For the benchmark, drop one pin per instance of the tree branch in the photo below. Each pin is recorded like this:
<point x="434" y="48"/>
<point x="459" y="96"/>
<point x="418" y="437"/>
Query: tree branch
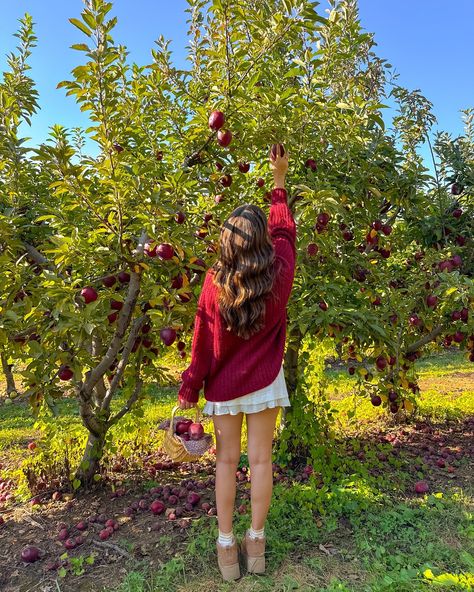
<point x="7" y="371"/>
<point x="425" y="339"/>
<point x="131" y="400"/>
<point x="136" y="326"/>
<point x="123" y="323"/>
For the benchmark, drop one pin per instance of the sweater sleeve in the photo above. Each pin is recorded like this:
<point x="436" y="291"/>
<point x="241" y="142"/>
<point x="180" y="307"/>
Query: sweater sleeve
<point x="201" y="350"/>
<point x="282" y="229"/>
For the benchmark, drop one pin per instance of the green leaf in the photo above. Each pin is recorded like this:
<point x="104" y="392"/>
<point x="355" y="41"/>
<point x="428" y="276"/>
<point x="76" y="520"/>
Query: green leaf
<point x="81" y="26"/>
<point x="76" y="483"/>
<point x="89" y="19"/>
<point x="80" y="47"/>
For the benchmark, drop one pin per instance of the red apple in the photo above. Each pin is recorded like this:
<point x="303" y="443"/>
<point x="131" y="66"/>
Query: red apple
<point x="109" y="281"/>
<point x="168" y="335"/>
<point x="323" y="218"/>
<point x="165" y="251"/>
<point x="226" y="180"/>
<point x="150" y="249"/>
<point x="65" y="373"/>
<point x="157" y="507"/>
<point x="312" y="249"/>
<point x="30" y="554"/>
<point x="431" y="300"/>
<point x="124" y="277"/>
<point x="116" y="304"/>
<point x="381" y="363"/>
<point x="277" y="150"/>
<point x="31" y="445"/>
<point x="311" y="164"/>
<point x="117" y="147"/>
<point x="376" y="400"/>
<point x="456" y="260"/>
<point x="112" y="317"/>
<point x="196" y="431"/>
<point x="70" y="544"/>
<point x="347" y="235"/>
<point x="456" y="189"/>
<point x="193" y="498"/>
<point x="180" y="217"/>
<point x="181" y="427"/>
<point x="159" y="155"/>
<point x="216" y="120"/>
<point x="323" y="305"/>
<point x="177" y="282"/>
<point x="89" y="294"/>
<point x="224" y="137"/>
<point x="244" y="167"/>
<point x="421" y="487"/>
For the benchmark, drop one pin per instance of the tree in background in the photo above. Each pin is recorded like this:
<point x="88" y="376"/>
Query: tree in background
<point x="118" y="243"/>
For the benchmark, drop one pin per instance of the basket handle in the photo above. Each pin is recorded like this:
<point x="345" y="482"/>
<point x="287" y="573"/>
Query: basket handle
<point x="173" y="413"/>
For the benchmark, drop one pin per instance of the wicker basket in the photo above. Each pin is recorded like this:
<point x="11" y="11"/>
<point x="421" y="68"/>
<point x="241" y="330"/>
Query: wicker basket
<point x="179" y="449"/>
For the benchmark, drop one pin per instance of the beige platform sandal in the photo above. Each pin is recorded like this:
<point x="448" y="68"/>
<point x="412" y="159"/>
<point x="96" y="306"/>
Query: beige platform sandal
<point x="228" y="561"/>
<point x="253" y="553"/>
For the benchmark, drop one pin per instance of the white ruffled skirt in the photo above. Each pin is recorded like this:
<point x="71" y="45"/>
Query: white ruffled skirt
<point x="273" y="395"/>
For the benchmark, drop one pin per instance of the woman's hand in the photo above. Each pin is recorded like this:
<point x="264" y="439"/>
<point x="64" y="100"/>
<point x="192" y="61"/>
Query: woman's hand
<point x="279" y="164"/>
<point x="186" y="404"/>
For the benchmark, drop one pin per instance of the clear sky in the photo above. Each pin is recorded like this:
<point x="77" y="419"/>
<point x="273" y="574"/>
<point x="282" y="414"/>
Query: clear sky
<point x="429" y="42"/>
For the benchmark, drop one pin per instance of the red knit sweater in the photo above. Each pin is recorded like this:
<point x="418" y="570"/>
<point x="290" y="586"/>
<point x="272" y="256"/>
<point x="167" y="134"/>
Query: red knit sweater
<point x="227" y="365"/>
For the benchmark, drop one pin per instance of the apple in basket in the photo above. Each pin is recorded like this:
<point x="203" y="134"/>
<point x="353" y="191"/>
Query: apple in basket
<point x="182" y="426"/>
<point x="196" y="431"/>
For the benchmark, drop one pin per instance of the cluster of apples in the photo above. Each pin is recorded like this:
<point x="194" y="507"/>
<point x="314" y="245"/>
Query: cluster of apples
<point x="189" y="430"/>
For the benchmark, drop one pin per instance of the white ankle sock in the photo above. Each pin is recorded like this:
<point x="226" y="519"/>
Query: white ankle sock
<point x="226" y="539"/>
<point x="256" y="534"/>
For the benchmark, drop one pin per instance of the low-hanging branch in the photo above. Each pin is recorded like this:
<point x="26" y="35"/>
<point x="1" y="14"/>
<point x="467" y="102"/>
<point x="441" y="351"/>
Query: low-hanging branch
<point x="122" y="325"/>
<point x="425" y="339"/>
<point x="131" y="400"/>
<point x="136" y="327"/>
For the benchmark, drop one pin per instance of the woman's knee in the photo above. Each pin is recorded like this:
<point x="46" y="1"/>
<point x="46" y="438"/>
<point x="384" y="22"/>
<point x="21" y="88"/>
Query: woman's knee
<point x="260" y="430"/>
<point x="259" y="457"/>
<point x="228" y="456"/>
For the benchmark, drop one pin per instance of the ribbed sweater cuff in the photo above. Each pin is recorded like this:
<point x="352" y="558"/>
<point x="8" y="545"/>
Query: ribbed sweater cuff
<point x="188" y="394"/>
<point x="279" y="195"/>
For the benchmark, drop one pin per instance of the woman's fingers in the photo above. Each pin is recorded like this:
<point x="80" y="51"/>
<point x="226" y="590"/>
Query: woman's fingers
<point x="278" y="152"/>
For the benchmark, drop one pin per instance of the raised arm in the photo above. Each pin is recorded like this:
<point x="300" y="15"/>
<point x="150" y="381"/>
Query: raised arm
<point x="281" y="224"/>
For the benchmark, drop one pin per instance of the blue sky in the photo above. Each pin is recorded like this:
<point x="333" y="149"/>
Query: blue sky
<point x="429" y="42"/>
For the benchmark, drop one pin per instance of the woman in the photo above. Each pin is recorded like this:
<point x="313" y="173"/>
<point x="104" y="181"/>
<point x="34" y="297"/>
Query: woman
<point x="237" y="353"/>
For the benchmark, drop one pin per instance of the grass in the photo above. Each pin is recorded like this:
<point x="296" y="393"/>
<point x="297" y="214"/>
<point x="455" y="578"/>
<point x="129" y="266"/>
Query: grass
<point x="362" y="532"/>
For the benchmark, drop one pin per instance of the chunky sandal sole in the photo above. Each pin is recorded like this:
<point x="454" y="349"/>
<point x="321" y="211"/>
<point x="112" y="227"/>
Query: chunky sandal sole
<point x="230" y="572"/>
<point x="255" y="564"/>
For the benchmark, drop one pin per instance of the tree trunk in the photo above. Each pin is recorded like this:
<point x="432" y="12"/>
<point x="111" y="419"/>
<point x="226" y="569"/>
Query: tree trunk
<point x="7" y="371"/>
<point x="90" y="463"/>
<point x="291" y="368"/>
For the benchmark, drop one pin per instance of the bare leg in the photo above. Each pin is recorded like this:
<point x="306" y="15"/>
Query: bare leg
<point x="228" y="429"/>
<point x="260" y="429"/>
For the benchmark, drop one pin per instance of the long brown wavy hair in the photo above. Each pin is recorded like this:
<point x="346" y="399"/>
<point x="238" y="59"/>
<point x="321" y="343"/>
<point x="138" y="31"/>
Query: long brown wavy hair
<point x="244" y="270"/>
